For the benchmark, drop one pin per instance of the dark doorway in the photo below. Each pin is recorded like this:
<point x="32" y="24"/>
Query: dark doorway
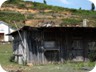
<point x="52" y="55"/>
<point x="76" y="52"/>
<point x="1" y="36"/>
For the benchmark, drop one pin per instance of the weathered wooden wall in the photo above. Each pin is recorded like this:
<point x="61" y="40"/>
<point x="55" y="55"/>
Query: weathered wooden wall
<point x="64" y="44"/>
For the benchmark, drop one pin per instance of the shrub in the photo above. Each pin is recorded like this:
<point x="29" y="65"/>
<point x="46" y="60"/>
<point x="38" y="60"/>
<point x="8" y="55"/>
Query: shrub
<point x="92" y="56"/>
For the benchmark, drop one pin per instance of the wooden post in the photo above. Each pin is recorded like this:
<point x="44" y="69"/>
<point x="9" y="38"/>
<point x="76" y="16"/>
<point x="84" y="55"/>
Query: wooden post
<point x="42" y="48"/>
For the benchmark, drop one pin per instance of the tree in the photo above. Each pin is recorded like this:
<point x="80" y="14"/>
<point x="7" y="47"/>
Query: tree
<point x="80" y="8"/>
<point x="44" y="1"/>
<point x="92" y="7"/>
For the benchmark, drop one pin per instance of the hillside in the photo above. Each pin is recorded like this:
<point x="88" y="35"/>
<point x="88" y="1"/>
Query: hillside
<point x="37" y="14"/>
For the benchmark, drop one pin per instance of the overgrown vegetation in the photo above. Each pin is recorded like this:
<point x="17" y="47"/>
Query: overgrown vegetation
<point x="68" y="16"/>
<point x="10" y="17"/>
<point x="71" y="21"/>
<point x="14" y="1"/>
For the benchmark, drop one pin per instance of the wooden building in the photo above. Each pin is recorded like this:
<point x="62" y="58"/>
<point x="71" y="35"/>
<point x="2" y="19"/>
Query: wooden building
<point x="44" y="45"/>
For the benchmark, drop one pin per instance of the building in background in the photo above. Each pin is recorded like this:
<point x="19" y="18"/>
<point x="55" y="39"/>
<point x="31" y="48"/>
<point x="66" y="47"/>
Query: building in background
<point x="5" y="29"/>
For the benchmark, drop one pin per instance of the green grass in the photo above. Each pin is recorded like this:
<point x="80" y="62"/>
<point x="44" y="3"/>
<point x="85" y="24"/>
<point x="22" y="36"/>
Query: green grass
<point x="11" y="17"/>
<point x="6" y="53"/>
